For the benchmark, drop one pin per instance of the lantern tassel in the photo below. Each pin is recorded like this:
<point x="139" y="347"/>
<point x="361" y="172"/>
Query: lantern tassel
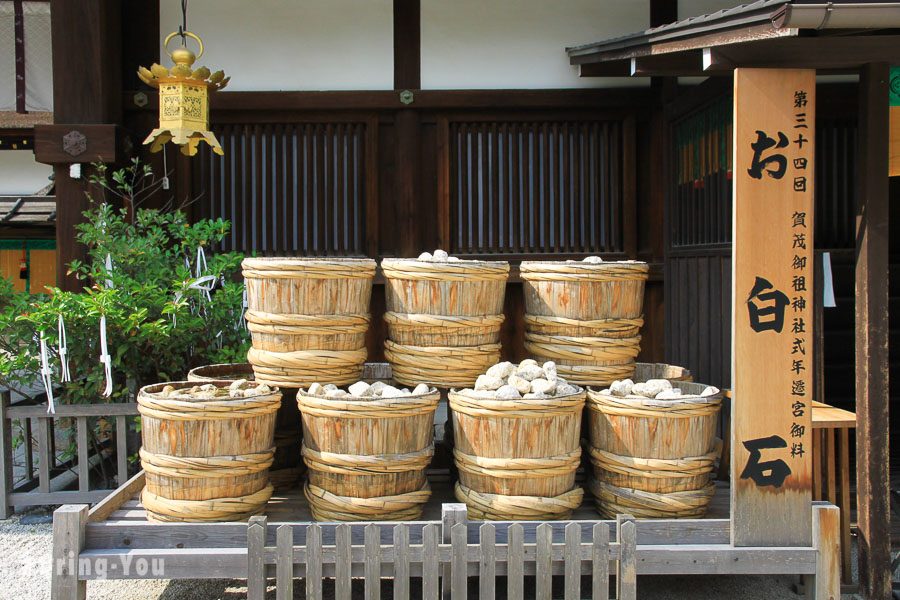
<point x="63" y="351"/>
<point x="105" y="358"/>
<point x="46" y="376"/>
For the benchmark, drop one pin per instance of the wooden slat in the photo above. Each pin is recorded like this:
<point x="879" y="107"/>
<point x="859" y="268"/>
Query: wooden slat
<point x="6" y="456"/>
<point x="373" y="563"/>
<point x="73" y="410"/>
<point x="543" y="558"/>
<point x="284" y="574"/>
<point x="256" y="568"/>
<point x="516" y="560"/>
<point x="43" y="440"/>
<point x="487" y="566"/>
<point x="342" y="581"/>
<point x="430" y="540"/>
<point x="459" y="567"/>
<point x="573" y="562"/>
<point x="314" y="562"/>
<point x="626" y="582"/>
<point x="600" y="562"/>
<point x="401" y="562"/>
<point x="827" y="538"/>
<point x="121" y="449"/>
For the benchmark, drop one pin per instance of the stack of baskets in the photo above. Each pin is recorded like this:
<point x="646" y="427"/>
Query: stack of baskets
<point x="206" y="460"/>
<point x="308" y="318"/>
<point x="517" y="458"/>
<point x="654" y="458"/>
<point x="287" y="468"/>
<point x="585" y="316"/>
<point x="443" y="319"/>
<point x="367" y="456"/>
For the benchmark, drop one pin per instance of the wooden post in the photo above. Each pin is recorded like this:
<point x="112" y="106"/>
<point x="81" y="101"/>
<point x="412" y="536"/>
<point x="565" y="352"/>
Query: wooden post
<point x="256" y="558"/>
<point x="626" y="577"/>
<point x="872" y="336"/>
<point x="68" y="540"/>
<point x="451" y="514"/>
<point x="6" y="457"/>
<point x="826" y="523"/>
<point x="407" y="126"/>
<point x="772" y="300"/>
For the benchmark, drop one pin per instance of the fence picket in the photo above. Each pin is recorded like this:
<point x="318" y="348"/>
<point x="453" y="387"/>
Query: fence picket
<point x="573" y="562"/>
<point x="373" y="562"/>
<point x="284" y="568"/>
<point x="81" y="445"/>
<point x="430" y="565"/>
<point x="600" y="562"/>
<point x="458" y="562"/>
<point x="401" y="562"/>
<point x="342" y="562"/>
<point x="314" y="562"/>
<point x="627" y="577"/>
<point x="543" y="589"/>
<point x="515" y="569"/>
<point x="256" y="568"/>
<point x="488" y="563"/>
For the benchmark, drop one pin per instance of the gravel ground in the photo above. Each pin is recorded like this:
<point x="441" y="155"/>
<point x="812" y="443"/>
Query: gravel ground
<point x="25" y="574"/>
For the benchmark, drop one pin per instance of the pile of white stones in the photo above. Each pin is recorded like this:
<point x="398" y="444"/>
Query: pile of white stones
<point x="240" y="388"/>
<point x="361" y="389"/>
<point x="588" y="259"/>
<point x="528" y="379"/>
<point x="437" y="256"/>
<point x="658" y="389"/>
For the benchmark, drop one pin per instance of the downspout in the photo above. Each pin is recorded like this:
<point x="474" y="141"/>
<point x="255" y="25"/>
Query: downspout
<point x="838" y="15"/>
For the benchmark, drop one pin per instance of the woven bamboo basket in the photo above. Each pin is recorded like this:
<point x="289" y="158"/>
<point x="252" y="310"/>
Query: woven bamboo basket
<point x="517" y="458"/>
<point x="586" y="360"/>
<point x="442" y="366"/>
<point x="646" y="371"/>
<point x="656" y="447"/>
<point x="206" y="460"/>
<point x="287" y="468"/>
<point x="367" y="457"/>
<point x="308" y="318"/>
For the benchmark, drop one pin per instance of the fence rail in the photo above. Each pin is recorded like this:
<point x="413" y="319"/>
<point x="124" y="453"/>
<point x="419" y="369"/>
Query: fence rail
<point x="41" y="467"/>
<point x="443" y="552"/>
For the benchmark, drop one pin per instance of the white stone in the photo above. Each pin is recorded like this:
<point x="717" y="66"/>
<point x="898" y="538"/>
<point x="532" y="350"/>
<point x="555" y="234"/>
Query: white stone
<point x="530" y="372"/>
<point x="452" y="259"/>
<point x="621" y="388"/>
<point x="389" y="391"/>
<point x="239" y="384"/>
<point x="592" y="259"/>
<point x="315" y="389"/>
<point x="527" y="362"/>
<point x="543" y="386"/>
<point x="208" y="387"/>
<point x="405" y="392"/>
<point x="567" y="390"/>
<point x="440" y="255"/>
<point x="261" y="389"/>
<point x="486" y="382"/>
<point x="329" y="387"/>
<point x="606" y="392"/>
<point x="336" y="394"/>
<point x="508" y="392"/>
<point x="668" y="395"/>
<point x="523" y="385"/>
<point x="646" y="389"/>
<point x="360" y="388"/>
<point x="549" y="369"/>
<point x="426" y="256"/>
<point x="709" y="391"/>
<point x="534" y="396"/>
<point x="501" y="370"/>
<point x="663" y="384"/>
<point x="377" y="387"/>
<point x="421" y="389"/>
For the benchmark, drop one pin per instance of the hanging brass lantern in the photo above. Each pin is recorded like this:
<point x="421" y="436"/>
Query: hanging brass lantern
<point x="183" y="99"/>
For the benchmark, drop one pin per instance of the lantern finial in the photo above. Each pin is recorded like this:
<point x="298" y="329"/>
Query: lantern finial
<point x="183" y="99"/>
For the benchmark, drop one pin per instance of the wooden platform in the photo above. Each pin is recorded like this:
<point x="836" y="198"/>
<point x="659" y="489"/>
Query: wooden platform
<point x="292" y="507"/>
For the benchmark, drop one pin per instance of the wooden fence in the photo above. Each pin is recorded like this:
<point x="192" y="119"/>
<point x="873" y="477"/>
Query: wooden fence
<point x="444" y="552"/>
<point x="42" y="467"/>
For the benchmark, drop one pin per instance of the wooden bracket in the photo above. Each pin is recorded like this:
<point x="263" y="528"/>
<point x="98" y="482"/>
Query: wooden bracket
<point x="67" y="144"/>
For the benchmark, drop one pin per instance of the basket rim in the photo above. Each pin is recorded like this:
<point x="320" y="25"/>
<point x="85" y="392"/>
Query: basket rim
<point x="220" y="383"/>
<point x="633" y="400"/>
<point x="367" y="400"/>
<point x="637" y="264"/>
<point x="306" y="260"/>
<point x="498" y="264"/>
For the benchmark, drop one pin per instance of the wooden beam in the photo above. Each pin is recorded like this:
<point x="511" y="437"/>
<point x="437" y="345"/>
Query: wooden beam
<point x="19" y="35"/>
<point x="680" y="63"/>
<point x="872" y="336"/>
<point x="407" y="45"/>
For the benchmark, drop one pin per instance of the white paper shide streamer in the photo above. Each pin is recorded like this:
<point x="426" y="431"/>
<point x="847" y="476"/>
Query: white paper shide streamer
<point x="64" y="375"/>
<point x="46" y="375"/>
<point x="105" y="358"/>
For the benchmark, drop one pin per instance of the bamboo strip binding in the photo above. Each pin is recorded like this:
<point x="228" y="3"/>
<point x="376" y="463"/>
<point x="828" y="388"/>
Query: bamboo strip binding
<point x="499" y="507"/>
<point x="326" y="506"/>
<point x="443" y="366"/>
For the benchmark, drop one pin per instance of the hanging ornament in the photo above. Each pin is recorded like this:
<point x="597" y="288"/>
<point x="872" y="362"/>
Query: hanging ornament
<point x="64" y="375"/>
<point x="108" y="268"/>
<point x="46" y="375"/>
<point x="183" y="96"/>
<point x="105" y="358"/>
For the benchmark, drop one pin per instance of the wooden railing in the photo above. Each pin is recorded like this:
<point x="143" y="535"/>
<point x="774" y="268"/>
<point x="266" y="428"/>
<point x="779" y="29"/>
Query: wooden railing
<point x="450" y="552"/>
<point x="42" y="468"/>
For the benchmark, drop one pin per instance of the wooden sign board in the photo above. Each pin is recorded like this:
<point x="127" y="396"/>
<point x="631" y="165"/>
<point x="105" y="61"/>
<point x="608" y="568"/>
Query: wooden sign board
<point x="772" y="311"/>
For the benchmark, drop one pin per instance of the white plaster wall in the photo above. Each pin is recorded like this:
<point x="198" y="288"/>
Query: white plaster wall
<point x="21" y="174"/>
<point x="291" y="45"/>
<point x="487" y="44"/>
